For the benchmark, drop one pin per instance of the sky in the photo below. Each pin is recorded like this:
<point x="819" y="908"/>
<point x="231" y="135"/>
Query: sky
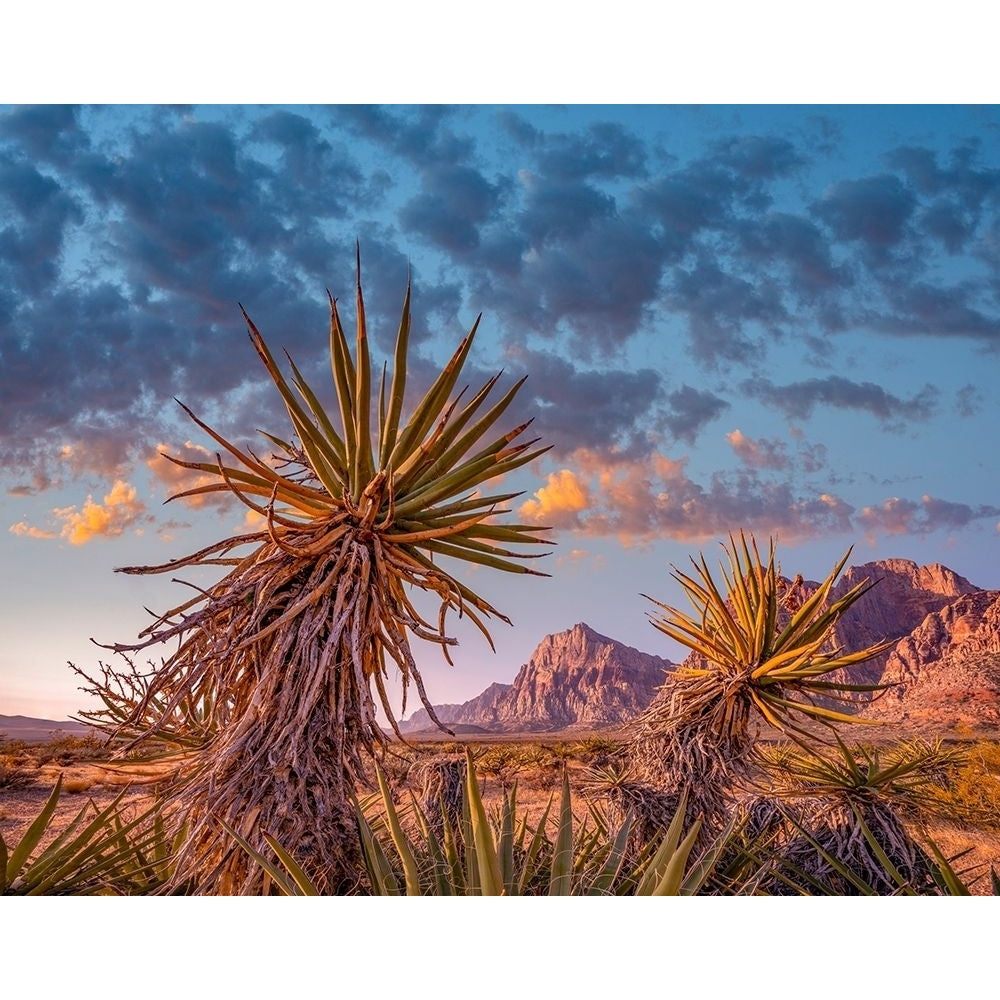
<point x="782" y="318"/>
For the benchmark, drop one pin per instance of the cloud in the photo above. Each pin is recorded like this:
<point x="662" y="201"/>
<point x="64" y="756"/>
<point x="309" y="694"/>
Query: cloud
<point x="454" y="202"/>
<point x="642" y="500"/>
<point x="559" y="502"/>
<point x="969" y="401"/>
<point x="29" y="531"/>
<point x="897" y="516"/>
<point x="920" y="309"/>
<point x="691" y="410"/>
<point x="723" y="310"/>
<point x="758" y="454"/>
<point x="575" y="406"/>
<point x="872" y="211"/>
<point x="176" y="479"/>
<point x="121" y="510"/>
<point x="797" y="400"/>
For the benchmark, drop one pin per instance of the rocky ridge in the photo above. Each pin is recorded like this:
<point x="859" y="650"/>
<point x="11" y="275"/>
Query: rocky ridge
<point x="574" y="678"/>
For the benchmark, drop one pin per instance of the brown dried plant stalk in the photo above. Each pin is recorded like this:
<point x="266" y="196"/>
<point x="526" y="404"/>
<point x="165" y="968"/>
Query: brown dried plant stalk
<point x="270" y="694"/>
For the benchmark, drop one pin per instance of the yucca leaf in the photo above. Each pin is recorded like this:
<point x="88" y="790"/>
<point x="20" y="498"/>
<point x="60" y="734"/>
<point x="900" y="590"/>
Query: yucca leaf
<point x="486" y="860"/>
<point x="398" y="837"/>
<point x="561" y="879"/>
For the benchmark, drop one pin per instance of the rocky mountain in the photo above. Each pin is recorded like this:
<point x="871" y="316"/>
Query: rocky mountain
<point x="903" y="596"/>
<point x="478" y="707"/>
<point x="947" y="670"/>
<point x="574" y="678"/>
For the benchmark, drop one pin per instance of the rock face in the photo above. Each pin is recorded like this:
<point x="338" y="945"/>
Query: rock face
<point x="574" y="678"/>
<point x="480" y="706"/>
<point x="947" y="670"/>
<point x="903" y="596"/>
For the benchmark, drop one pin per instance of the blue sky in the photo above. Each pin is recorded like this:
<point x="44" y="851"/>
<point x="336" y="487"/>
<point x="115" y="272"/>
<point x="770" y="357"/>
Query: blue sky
<point x="783" y="318"/>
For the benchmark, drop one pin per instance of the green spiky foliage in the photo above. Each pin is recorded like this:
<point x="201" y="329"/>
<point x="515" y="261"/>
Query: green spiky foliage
<point x="272" y="689"/>
<point x="503" y="854"/>
<point x="764" y="653"/>
<point x="99" y="852"/>
<point x="840" y="820"/>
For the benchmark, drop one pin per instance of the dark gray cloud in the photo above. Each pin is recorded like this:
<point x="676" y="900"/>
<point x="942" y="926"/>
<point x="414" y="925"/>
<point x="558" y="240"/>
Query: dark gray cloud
<point x="922" y="309"/>
<point x="603" y="149"/>
<point x="454" y="202"/>
<point x="797" y="400"/>
<point x="969" y="401"/>
<point x="725" y="311"/>
<point x="690" y="410"/>
<point x="872" y="211"/>
<point x="580" y="408"/>
<point x="127" y="237"/>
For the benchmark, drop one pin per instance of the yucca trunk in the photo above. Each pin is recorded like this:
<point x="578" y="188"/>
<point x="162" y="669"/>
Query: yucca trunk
<point x="849" y="845"/>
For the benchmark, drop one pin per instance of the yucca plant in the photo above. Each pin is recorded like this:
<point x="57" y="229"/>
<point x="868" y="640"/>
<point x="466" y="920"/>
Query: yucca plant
<point x="843" y="811"/>
<point x="280" y="663"/>
<point x="763" y="655"/>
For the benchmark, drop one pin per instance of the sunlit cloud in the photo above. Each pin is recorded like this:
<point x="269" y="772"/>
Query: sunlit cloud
<point x="559" y="502"/>
<point x="641" y="500"/>
<point x="176" y="479"/>
<point x="29" y="531"/>
<point x="897" y="516"/>
<point x="758" y="454"/>
<point x="120" y="511"/>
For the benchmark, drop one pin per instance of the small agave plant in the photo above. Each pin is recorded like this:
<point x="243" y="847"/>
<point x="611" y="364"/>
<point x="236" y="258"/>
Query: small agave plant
<point x="271" y="691"/>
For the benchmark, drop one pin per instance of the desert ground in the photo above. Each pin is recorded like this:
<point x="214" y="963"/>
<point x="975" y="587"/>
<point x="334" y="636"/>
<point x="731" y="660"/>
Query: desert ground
<point x="29" y="771"/>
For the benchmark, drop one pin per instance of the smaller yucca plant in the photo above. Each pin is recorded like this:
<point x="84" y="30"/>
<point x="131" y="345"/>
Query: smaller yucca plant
<point x="843" y="821"/>
<point x="764" y="654"/>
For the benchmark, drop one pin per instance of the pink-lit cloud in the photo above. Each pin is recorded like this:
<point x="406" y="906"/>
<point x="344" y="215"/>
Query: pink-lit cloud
<point x="559" y="502"/>
<point x="30" y="531"/>
<point x="899" y="516"/>
<point x="758" y="453"/>
<point x="641" y="500"/>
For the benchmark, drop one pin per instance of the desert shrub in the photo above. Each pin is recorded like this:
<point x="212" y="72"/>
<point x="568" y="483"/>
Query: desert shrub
<point x="972" y="795"/>
<point x="66" y="750"/>
<point x="14" y="775"/>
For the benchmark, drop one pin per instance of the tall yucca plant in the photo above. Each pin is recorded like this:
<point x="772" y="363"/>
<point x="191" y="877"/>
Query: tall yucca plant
<point x="281" y="661"/>
<point x="764" y="653"/>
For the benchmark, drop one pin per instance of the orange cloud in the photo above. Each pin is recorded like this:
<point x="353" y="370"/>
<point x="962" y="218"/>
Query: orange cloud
<point x="29" y="531"/>
<point x="639" y="500"/>
<point x="121" y="509"/>
<point x="559" y="502"/>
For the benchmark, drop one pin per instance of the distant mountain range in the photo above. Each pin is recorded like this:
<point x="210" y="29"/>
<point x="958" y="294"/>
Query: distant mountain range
<point x="576" y="678"/>
<point x="944" y="668"/>
<point x="21" y="727"/>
